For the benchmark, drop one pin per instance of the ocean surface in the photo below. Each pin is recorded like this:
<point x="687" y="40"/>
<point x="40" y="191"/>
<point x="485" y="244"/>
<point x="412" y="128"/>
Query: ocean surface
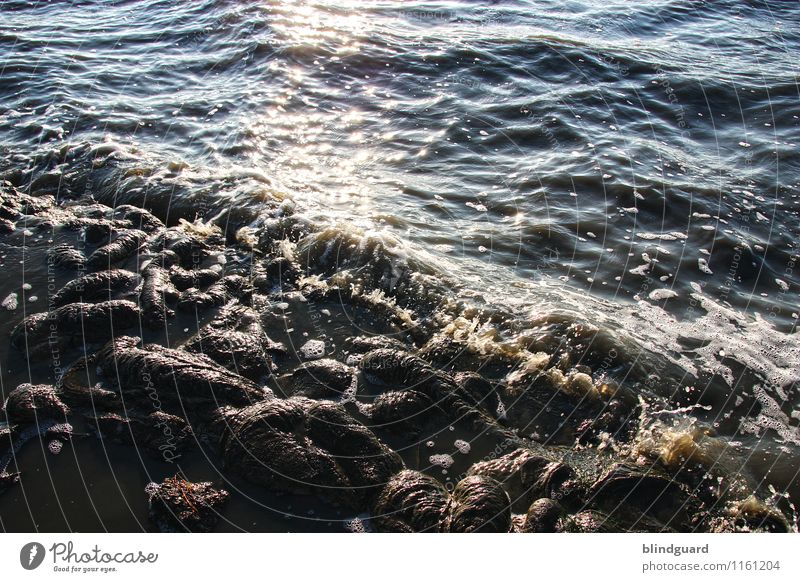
<point x="629" y="168"/>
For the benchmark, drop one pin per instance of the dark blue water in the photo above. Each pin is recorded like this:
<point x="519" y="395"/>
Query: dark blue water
<point x="632" y="167"/>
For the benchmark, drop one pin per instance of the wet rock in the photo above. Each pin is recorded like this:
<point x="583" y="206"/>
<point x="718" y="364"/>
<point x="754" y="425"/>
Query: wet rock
<point x="31" y="403"/>
<point x="301" y="446"/>
<point x="591" y="521"/>
<point x="157" y="290"/>
<point x="632" y="491"/>
<point x="161" y="434"/>
<point x="414" y="375"/>
<point x="66" y="257"/>
<point x="177" y="505"/>
<point x="363" y="344"/>
<point x="324" y="378"/>
<point x="75" y="388"/>
<point x="550" y="406"/>
<point x="266" y="444"/>
<point x="175" y="376"/>
<point x="184" y="279"/>
<point x="74" y="325"/>
<point x="403" y="411"/>
<point x="236" y="340"/>
<point x="544" y="516"/>
<point x="753" y="514"/>
<point x="367" y="462"/>
<point x="479" y="392"/>
<point x="194" y="298"/>
<point x="139" y="218"/>
<point x="280" y="271"/>
<point x="124" y="245"/>
<point x="395" y="367"/>
<point x="527" y="477"/>
<point x="446" y="353"/>
<point x="410" y="502"/>
<point x="224" y="290"/>
<point x="478" y="504"/>
<point x="95" y="286"/>
<point x="191" y="248"/>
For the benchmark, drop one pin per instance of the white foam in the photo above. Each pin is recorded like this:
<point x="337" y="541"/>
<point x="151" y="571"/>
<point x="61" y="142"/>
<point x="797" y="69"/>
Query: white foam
<point x="312" y="350"/>
<point x="462" y="447"/>
<point x="702" y="264"/>
<point x="660" y="294"/>
<point x="10" y="302"/>
<point x="444" y="461"/>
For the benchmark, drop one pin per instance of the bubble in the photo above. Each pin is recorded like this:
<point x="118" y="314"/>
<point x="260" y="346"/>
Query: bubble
<point x="659" y="294"/>
<point x="312" y="350"/>
<point x="702" y="264"/>
<point x="355" y="525"/>
<point x="10" y="302"/>
<point x="462" y="446"/>
<point x="444" y="461"/>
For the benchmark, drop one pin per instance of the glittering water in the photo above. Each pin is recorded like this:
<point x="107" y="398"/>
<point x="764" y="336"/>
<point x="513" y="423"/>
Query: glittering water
<point x="632" y="166"/>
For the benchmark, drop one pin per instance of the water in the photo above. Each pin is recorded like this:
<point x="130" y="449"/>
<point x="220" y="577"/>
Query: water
<point x="629" y="167"/>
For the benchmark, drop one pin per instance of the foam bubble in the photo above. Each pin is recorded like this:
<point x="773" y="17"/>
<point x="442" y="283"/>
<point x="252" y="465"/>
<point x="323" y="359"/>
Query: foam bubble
<point x="702" y="264"/>
<point x="444" y="461"/>
<point x="355" y="525"/>
<point x="312" y="350"/>
<point x="462" y="447"/>
<point x="660" y="294"/>
<point x="10" y="302"/>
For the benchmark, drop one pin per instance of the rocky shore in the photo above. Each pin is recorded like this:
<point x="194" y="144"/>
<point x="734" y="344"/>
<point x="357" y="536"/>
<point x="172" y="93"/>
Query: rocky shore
<point x="548" y="444"/>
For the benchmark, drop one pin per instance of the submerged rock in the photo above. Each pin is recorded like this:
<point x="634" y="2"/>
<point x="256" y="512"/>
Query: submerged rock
<point x="31" y="403"/>
<point x="410" y="502"/>
<point x="161" y="434"/>
<point x="301" y="446"/>
<point x="74" y="325"/>
<point x="319" y="379"/>
<point x="478" y="504"/>
<point x="236" y="340"/>
<point x="544" y="516"/>
<point x="124" y="245"/>
<point x="95" y="286"/>
<point x="177" y="505"/>
<point x="632" y="492"/>
<point x="175" y="376"/>
<point x="527" y="477"/>
<point x="157" y="291"/>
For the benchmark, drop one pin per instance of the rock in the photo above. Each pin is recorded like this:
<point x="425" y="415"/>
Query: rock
<point x="74" y="325"/>
<point x="410" y="502"/>
<point x="478" y="504"/>
<point x="175" y="376"/>
<point x="31" y="403"/>
<point x="177" y="505"/>
<point x="94" y="286"/>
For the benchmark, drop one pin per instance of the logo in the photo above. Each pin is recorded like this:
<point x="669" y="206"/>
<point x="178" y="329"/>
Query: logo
<point x="31" y="555"/>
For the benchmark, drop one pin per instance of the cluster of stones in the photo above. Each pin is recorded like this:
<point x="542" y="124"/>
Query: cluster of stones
<point x="305" y="427"/>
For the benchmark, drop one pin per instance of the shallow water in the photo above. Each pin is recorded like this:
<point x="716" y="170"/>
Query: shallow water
<point x="631" y="167"/>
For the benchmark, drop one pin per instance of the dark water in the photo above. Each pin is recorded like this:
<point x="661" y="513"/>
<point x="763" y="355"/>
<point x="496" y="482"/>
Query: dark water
<point x="629" y="166"/>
